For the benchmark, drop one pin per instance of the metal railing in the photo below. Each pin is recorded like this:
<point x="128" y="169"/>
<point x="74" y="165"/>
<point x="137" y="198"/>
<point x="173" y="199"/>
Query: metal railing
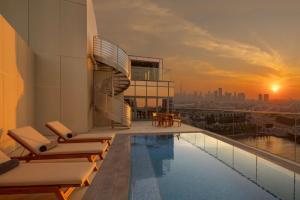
<point x="112" y="55"/>
<point x="116" y="109"/>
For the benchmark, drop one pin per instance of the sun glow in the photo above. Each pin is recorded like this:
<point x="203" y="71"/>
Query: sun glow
<point x="275" y="88"/>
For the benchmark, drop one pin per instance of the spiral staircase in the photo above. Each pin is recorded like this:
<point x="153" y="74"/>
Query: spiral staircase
<point x="108" y="92"/>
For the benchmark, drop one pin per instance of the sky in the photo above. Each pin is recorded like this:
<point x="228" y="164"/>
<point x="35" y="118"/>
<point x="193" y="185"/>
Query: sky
<point x="239" y="45"/>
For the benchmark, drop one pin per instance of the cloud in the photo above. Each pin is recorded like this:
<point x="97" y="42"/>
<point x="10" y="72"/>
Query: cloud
<point x="163" y="22"/>
<point x="194" y="52"/>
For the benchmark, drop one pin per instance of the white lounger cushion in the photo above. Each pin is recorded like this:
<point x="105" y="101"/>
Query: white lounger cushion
<point x="30" y="137"/>
<point x="75" y="148"/>
<point x="35" y="174"/>
<point x="92" y="136"/>
<point x="62" y="130"/>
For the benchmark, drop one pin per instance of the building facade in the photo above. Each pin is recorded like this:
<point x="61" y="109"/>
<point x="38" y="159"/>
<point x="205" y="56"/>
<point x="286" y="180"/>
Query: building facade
<point x="148" y="92"/>
<point x="52" y="66"/>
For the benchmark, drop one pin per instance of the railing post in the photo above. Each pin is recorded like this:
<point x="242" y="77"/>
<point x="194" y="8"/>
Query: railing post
<point x="295" y="137"/>
<point x="117" y="56"/>
<point x="233" y="125"/>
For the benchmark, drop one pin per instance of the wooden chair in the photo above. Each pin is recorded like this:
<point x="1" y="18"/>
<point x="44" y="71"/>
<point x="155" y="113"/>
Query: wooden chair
<point x="177" y="119"/>
<point x="154" y="118"/>
<point x="32" y="140"/>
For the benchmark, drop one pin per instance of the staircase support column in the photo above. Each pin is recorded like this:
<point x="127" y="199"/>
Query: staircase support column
<point x="112" y="93"/>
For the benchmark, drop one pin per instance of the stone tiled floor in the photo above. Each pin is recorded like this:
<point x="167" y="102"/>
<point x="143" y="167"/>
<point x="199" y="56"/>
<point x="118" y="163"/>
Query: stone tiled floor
<point x="145" y="127"/>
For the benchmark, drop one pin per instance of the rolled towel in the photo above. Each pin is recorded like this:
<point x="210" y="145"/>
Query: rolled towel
<point x="48" y="146"/>
<point x="70" y="135"/>
<point x="8" y="165"/>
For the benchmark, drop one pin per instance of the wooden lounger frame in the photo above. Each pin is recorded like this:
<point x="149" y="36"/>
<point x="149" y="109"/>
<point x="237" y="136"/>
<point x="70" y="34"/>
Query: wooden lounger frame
<point x="62" y="191"/>
<point x="61" y="139"/>
<point x="33" y="156"/>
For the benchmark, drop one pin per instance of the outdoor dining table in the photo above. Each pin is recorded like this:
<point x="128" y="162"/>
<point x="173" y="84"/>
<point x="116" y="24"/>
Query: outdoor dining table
<point x="165" y="119"/>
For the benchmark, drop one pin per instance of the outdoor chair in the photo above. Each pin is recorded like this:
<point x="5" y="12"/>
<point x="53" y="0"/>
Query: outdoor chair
<point x="177" y="119"/>
<point x="154" y="118"/>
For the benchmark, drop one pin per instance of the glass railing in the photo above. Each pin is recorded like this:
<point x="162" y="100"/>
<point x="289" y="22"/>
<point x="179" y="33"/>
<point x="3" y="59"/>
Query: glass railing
<point x="273" y="132"/>
<point x="150" y="89"/>
<point x="277" y="180"/>
<point x="145" y="73"/>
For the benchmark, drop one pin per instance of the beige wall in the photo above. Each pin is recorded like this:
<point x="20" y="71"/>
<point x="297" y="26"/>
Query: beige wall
<point x="100" y="117"/>
<point x="91" y="32"/>
<point x="58" y="31"/>
<point x="16" y="83"/>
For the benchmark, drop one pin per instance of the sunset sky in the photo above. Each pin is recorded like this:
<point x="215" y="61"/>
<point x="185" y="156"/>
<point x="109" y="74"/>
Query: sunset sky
<point x="239" y="45"/>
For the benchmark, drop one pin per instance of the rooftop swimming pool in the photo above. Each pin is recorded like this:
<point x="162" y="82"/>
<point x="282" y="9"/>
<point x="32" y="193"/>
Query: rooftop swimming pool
<point x="197" y="166"/>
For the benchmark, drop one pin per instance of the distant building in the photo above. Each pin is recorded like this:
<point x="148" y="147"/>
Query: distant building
<point x="195" y="94"/>
<point x="148" y="91"/>
<point x="260" y="97"/>
<point x="227" y="96"/>
<point x="266" y="97"/>
<point x="220" y="92"/>
<point x="241" y="96"/>
<point x="216" y="94"/>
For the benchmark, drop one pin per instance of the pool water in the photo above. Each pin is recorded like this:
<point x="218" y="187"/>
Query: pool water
<point x="197" y="166"/>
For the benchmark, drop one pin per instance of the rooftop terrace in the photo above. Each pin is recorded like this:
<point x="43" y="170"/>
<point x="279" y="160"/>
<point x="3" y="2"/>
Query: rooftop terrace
<point x="115" y="171"/>
<point x="112" y="181"/>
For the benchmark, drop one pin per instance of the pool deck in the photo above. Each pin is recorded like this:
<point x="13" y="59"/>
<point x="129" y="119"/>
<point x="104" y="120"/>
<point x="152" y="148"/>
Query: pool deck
<point x="112" y="181"/>
<point x="146" y="127"/>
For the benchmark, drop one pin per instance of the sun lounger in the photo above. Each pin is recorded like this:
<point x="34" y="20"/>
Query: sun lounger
<point x="59" y="178"/>
<point x="33" y="141"/>
<point x="65" y="135"/>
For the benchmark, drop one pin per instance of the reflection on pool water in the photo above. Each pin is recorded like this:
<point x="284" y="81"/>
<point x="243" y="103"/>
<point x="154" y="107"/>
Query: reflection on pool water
<point x="197" y="166"/>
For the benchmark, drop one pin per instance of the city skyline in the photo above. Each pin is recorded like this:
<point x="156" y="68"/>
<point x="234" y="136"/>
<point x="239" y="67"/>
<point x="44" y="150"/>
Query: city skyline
<point x="246" y="46"/>
<point x="224" y="94"/>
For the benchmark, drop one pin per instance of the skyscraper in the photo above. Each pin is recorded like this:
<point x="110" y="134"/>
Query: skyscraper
<point x="220" y="93"/>
<point x="266" y="97"/>
<point x="260" y="97"/>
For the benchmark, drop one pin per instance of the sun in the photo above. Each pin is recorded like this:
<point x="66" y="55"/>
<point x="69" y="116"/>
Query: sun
<point x="275" y="88"/>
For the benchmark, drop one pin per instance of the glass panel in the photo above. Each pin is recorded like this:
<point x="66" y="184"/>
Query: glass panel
<point x="245" y="163"/>
<point x="144" y="73"/>
<point x="210" y="145"/>
<point x="140" y="82"/>
<point x="171" y="92"/>
<point x="225" y="153"/>
<point x="132" y="83"/>
<point x="162" y="91"/>
<point x="162" y="83"/>
<point x="200" y="140"/>
<point x="159" y="105"/>
<point x="275" y="178"/>
<point x="297" y="186"/>
<point x="129" y="91"/>
<point x="151" y="83"/>
<point x="152" y="91"/>
<point x="140" y="90"/>
<point x="151" y="102"/>
<point x="140" y="102"/>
